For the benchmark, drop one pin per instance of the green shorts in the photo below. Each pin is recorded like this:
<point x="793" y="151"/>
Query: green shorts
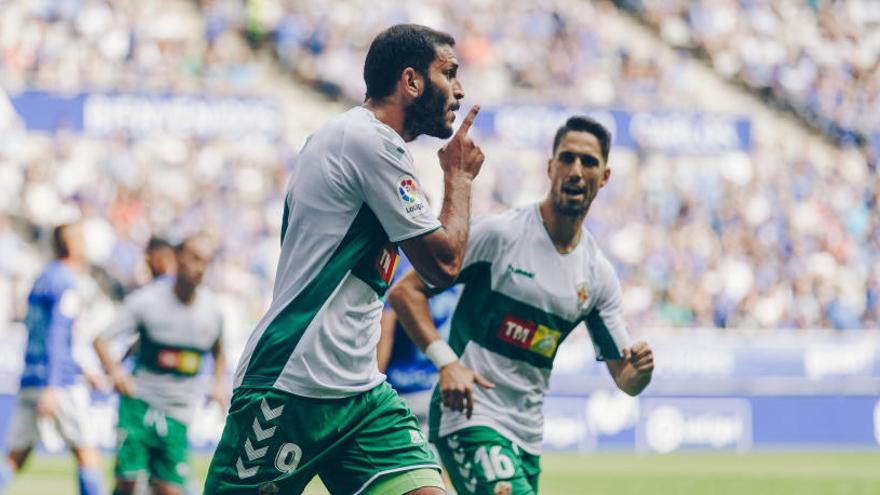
<point x="480" y="461"/>
<point x="150" y="444"/>
<point x="275" y="443"/>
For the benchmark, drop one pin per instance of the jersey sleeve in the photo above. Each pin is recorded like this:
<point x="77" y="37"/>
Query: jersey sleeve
<point x="605" y="320"/>
<point x="126" y="322"/>
<point x="486" y="242"/>
<point x="388" y="183"/>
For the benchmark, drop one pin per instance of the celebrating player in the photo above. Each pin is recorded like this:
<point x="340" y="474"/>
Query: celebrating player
<point x="52" y="393"/>
<point x="309" y="399"/>
<point x="177" y="323"/>
<point x="530" y="276"/>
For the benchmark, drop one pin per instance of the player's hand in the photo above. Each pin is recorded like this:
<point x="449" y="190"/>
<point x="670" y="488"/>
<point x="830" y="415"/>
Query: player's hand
<point x="456" y="387"/>
<point x="460" y="154"/>
<point x="96" y="380"/>
<point x="122" y="383"/>
<point x="47" y="404"/>
<point x="641" y="357"/>
<point x="220" y="395"/>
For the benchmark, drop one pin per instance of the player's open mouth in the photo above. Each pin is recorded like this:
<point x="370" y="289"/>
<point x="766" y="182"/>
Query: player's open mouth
<point x="576" y="193"/>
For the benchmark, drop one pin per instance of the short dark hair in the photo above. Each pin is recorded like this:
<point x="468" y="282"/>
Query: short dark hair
<point x="59" y="243"/>
<point x="157" y="243"/>
<point x="395" y="49"/>
<point x="580" y="123"/>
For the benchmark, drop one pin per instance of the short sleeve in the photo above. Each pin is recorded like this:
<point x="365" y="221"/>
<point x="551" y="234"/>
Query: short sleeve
<point x="485" y="243"/>
<point x="125" y="324"/>
<point x="605" y="320"/>
<point x="388" y="182"/>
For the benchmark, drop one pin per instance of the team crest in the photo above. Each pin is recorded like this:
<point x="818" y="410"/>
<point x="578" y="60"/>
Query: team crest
<point x="583" y="294"/>
<point x="503" y="488"/>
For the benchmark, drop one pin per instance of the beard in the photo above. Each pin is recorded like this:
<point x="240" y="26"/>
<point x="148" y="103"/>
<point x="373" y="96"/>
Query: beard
<point x="427" y="115"/>
<point x="573" y="208"/>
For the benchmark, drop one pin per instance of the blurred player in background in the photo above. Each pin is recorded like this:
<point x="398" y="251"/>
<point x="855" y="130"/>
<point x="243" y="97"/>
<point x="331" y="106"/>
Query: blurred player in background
<point x="53" y="394"/>
<point x="406" y="367"/>
<point x="161" y="258"/>
<point x="531" y="275"/>
<point x="177" y="324"/>
<point x="309" y="398"/>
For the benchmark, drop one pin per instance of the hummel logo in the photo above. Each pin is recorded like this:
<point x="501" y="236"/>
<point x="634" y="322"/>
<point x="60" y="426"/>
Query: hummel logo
<point x="458" y="456"/>
<point x="268" y="413"/>
<point x="471" y="485"/>
<point x="242" y="472"/>
<point x="252" y="453"/>
<point x="262" y="434"/>
<point x="519" y="271"/>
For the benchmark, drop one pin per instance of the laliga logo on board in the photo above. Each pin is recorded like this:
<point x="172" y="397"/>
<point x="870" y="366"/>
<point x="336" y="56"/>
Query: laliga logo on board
<point x="407" y="190"/>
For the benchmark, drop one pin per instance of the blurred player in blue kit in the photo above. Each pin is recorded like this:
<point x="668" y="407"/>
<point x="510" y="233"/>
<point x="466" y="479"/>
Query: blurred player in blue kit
<point x="53" y="394"/>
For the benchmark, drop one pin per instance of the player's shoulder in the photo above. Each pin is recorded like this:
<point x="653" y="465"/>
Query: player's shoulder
<point x="55" y="278"/>
<point x="364" y="134"/>
<point x="149" y="293"/>
<point x="502" y="225"/>
<point x="595" y="259"/>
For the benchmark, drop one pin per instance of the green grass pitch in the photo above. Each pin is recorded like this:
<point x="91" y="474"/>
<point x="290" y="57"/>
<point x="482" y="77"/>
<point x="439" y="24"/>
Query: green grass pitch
<point x="613" y="474"/>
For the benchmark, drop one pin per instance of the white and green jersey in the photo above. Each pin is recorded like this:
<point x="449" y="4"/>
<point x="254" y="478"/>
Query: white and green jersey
<point x="520" y="301"/>
<point x="173" y="338"/>
<point x="353" y="196"/>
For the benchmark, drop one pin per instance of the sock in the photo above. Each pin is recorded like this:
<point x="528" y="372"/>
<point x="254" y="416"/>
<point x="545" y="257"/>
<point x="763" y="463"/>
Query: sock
<point x="6" y="475"/>
<point x="91" y="481"/>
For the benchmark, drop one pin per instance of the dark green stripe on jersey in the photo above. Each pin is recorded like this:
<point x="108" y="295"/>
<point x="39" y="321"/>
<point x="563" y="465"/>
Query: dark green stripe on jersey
<point x="363" y="241"/>
<point x="167" y="359"/>
<point x="285" y="219"/>
<point x="605" y="346"/>
<point x="503" y="324"/>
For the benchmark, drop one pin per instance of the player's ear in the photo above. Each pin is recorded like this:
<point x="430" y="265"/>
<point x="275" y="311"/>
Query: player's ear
<point x="550" y="167"/>
<point x="412" y="83"/>
<point x="605" y="176"/>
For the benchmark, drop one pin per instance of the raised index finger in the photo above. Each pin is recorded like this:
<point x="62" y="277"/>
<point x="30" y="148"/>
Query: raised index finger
<point x="468" y="121"/>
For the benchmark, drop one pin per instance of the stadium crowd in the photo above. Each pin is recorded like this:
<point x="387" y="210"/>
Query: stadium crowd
<point x="783" y="235"/>
<point x="821" y="57"/>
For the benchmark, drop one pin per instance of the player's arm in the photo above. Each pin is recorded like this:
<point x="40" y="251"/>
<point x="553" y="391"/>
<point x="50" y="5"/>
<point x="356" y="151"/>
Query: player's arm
<point x="409" y="298"/>
<point x="438" y="256"/>
<point x="219" y="393"/>
<point x="125" y="324"/>
<point x="386" y="338"/>
<point x="633" y="372"/>
<point x="57" y="346"/>
<point x="631" y="366"/>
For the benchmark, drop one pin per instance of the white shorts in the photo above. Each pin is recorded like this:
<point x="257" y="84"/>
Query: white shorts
<point x="71" y="424"/>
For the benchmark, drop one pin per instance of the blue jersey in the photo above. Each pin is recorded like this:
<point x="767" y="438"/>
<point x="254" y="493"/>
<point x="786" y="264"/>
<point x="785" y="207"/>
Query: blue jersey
<point x="409" y="370"/>
<point x="53" y="304"/>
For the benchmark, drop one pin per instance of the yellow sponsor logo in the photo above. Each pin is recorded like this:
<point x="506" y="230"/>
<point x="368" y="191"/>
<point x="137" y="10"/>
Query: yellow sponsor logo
<point x="189" y="362"/>
<point x="545" y="341"/>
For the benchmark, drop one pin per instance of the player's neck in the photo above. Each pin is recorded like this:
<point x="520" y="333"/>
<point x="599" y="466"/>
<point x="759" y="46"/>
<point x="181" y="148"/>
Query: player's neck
<point x="390" y="114"/>
<point x="74" y="264"/>
<point x="564" y="230"/>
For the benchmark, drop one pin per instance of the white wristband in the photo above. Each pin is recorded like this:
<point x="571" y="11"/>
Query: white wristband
<point x="440" y="353"/>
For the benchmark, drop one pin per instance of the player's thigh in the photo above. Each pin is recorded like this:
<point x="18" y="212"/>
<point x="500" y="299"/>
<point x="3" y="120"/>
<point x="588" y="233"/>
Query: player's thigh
<point x="23" y="434"/>
<point x="480" y="461"/>
<point x="74" y="418"/>
<point x="132" y="441"/>
<point x="385" y="445"/>
<point x="274" y="442"/>
<point x="169" y="459"/>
